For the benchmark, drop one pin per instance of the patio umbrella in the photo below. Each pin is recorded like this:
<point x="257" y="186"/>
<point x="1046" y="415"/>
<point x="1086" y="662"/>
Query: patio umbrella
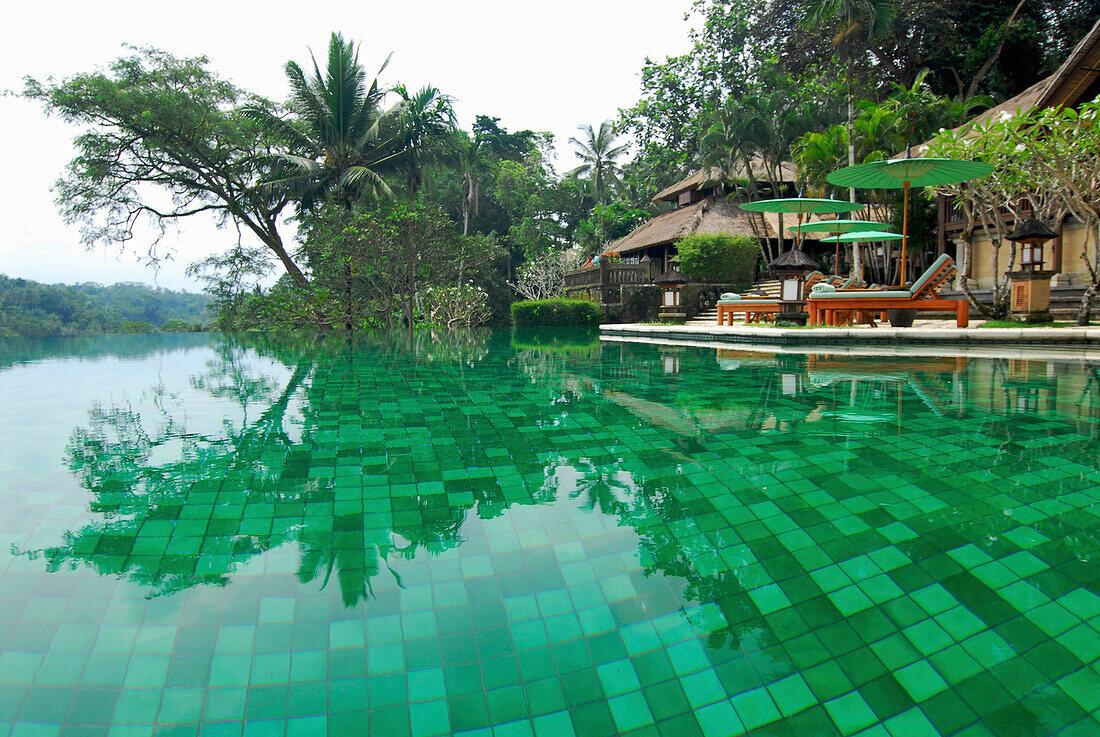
<point x="906" y="173"/>
<point x="861" y="236"/>
<point x="836" y="227"/>
<point x="801" y="206"/>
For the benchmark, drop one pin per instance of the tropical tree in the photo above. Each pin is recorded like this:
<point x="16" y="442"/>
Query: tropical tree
<point x="598" y="153"/>
<point x="425" y="121"/>
<point x="1062" y="143"/>
<point x="993" y="203"/>
<point x="155" y="124"/>
<point x="332" y="138"/>
<point x="857" y="24"/>
<point x="753" y="132"/>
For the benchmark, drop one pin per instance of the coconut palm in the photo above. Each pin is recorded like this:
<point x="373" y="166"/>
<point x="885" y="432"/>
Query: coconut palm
<point x="423" y="122"/>
<point x="598" y="152"/>
<point x="332" y="138"/>
<point x="858" y="24"/>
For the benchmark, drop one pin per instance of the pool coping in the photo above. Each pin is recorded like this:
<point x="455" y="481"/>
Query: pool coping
<point x="1082" y="342"/>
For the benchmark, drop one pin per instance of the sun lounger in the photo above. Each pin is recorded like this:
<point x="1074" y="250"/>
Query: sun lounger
<point x="830" y="308"/>
<point x="757" y="309"/>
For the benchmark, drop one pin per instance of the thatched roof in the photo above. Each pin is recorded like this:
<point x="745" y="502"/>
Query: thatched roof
<point x="1077" y="74"/>
<point x="672" y="276"/>
<point x="712" y="216"/>
<point x="1065" y="87"/>
<point x="1031" y="229"/>
<point x="794" y="259"/>
<point x="709" y="177"/>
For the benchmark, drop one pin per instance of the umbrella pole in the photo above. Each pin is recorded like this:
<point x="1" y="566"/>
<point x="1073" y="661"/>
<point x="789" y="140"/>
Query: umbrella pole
<point x="798" y="236"/>
<point x="836" y="265"/>
<point x="904" y="230"/>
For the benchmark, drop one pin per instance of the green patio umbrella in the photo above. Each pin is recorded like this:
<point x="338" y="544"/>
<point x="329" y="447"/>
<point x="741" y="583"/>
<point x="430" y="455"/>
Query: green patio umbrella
<point x="906" y="173"/>
<point x="863" y="236"/>
<point x="801" y="206"/>
<point x="837" y="227"/>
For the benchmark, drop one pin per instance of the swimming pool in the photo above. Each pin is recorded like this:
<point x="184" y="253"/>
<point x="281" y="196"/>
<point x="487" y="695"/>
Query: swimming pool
<point x="539" y="534"/>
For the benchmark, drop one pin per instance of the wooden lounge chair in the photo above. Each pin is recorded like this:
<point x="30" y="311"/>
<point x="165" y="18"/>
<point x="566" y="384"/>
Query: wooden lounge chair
<point x="828" y="308"/>
<point x="759" y="309"/>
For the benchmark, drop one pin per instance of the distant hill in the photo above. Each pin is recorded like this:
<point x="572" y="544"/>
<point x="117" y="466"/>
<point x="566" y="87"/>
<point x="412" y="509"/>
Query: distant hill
<point x="29" y="308"/>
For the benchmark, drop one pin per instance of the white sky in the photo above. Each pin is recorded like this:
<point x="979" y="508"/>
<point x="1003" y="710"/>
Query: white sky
<point x="538" y="66"/>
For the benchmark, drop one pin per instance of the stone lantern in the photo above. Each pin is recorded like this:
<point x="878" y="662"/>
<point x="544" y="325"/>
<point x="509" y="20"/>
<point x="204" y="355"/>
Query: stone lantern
<point x="670" y="283"/>
<point x="792" y="268"/>
<point x="1031" y="284"/>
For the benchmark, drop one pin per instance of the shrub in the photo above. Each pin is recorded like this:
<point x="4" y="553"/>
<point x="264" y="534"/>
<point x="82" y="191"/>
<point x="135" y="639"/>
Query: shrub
<point x="555" y="312"/>
<point x="462" y="306"/>
<point x="136" y="326"/>
<point x="718" y="258"/>
<point x="175" y="325"/>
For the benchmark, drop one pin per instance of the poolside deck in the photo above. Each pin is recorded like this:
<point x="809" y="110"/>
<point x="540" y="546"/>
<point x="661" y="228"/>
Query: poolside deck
<point x="941" y="333"/>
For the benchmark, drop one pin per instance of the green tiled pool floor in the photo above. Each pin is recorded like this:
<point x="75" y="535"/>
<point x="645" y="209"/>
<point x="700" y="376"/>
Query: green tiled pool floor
<point x="495" y="534"/>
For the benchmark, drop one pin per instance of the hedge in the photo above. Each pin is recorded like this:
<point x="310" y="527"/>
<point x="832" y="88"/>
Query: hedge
<point x="539" y="312"/>
<point x="718" y="258"/>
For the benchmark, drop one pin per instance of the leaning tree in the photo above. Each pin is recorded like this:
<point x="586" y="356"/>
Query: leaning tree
<point x="157" y="125"/>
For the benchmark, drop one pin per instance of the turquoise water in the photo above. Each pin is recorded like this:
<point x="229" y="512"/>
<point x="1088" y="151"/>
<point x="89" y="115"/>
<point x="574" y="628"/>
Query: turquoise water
<point x="497" y="534"/>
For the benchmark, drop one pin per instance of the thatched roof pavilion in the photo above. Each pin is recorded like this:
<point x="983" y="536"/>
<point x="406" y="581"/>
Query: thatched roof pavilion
<point x="712" y="215"/>
<point x="701" y="208"/>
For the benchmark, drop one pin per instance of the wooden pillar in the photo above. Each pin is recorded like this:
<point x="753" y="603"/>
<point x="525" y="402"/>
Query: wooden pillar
<point x="1056" y="249"/>
<point x="941" y="225"/>
<point x="605" y="280"/>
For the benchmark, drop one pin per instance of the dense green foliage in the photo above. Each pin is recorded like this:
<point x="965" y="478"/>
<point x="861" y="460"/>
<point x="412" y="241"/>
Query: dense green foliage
<point x="753" y="64"/>
<point x="719" y="258"/>
<point x="1044" y="166"/>
<point x="405" y="219"/>
<point x="28" y="308"/>
<point x="142" y="303"/>
<point x="551" y="312"/>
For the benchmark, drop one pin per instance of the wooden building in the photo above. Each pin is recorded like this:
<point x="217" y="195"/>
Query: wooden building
<point x="700" y="206"/>
<point x="1077" y="81"/>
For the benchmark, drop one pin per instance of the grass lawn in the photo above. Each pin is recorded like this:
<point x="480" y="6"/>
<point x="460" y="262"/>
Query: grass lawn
<point x="1013" y="324"/>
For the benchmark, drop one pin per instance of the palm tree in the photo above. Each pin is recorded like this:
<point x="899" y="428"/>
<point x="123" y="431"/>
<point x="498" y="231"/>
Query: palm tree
<point x="598" y="152"/>
<point x="332" y="139"/>
<point x="858" y="24"/>
<point x="423" y="124"/>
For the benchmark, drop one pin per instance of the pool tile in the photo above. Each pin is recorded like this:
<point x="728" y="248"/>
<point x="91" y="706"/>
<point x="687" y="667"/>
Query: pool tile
<point x="850" y="713"/>
<point x="741" y="578"/>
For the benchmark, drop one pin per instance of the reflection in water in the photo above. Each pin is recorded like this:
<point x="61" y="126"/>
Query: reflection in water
<point x="750" y="495"/>
<point x="359" y="481"/>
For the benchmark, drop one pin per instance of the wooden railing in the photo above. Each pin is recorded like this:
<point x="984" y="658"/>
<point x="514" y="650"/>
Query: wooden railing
<point x="953" y="221"/>
<point x="605" y="281"/>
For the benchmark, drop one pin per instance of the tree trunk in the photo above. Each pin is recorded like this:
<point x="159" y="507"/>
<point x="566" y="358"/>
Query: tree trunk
<point x="964" y="283"/>
<point x="269" y="236"/>
<point x="857" y="260"/>
<point x="347" y="296"/>
<point x="1005" y="28"/>
<point x="1084" y="313"/>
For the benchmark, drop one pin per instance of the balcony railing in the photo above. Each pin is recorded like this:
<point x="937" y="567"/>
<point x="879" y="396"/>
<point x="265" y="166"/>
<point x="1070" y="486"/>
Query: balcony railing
<point x="953" y="220"/>
<point x="605" y="281"/>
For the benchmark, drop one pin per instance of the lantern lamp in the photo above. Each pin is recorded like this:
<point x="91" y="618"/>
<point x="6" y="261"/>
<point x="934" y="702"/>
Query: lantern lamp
<point x="1031" y="235"/>
<point x="1031" y="285"/>
<point x="670" y="283"/>
<point x="792" y="268"/>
